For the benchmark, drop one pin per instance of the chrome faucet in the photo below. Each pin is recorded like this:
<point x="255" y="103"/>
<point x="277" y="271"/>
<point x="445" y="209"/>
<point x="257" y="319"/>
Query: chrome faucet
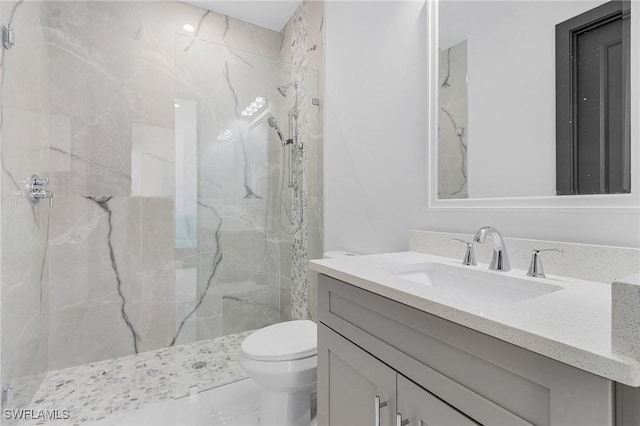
<point x="500" y="259"/>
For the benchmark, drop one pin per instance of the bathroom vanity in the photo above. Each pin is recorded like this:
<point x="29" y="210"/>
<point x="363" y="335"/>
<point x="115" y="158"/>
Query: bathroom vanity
<point x="395" y="351"/>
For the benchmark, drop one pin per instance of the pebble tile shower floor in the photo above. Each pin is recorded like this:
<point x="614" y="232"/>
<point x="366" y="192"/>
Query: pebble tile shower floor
<point x="96" y="391"/>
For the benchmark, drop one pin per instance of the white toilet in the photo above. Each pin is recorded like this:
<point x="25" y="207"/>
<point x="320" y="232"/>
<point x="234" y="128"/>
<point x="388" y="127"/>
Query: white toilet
<point x="282" y="358"/>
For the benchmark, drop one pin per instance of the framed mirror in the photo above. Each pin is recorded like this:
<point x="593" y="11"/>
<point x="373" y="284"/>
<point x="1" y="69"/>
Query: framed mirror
<point x="534" y="104"/>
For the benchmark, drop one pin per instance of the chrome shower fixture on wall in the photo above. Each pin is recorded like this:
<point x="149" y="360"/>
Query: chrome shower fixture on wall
<point x="273" y="123"/>
<point x="34" y="190"/>
<point x="293" y="140"/>
<point x="283" y="89"/>
<point x="290" y="142"/>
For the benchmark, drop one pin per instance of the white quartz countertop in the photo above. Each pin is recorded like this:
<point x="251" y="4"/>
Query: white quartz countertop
<point x="571" y="325"/>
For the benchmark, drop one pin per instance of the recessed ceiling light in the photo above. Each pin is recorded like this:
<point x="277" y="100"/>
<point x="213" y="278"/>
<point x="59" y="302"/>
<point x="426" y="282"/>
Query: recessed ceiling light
<point x="188" y="27"/>
<point x="176" y="105"/>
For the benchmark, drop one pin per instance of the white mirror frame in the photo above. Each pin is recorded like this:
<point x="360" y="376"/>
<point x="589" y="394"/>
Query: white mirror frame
<point x="629" y="203"/>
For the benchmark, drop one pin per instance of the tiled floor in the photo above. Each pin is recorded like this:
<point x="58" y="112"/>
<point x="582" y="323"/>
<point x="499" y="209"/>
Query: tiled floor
<point x="234" y="404"/>
<point x="100" y="390"/>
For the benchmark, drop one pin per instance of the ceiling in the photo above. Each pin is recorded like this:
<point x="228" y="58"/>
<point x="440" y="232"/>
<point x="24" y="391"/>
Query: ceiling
<point x="272" y="14"/>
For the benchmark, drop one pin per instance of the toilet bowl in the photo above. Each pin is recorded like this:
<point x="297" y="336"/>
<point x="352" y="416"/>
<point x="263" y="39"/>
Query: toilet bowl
<point x="282" y="358"/>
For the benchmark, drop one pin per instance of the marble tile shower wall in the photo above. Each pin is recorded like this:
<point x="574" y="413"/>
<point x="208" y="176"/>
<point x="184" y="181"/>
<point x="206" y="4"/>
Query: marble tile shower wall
<point x="24" y="123"/>
<point x="88" y="98"/>
<point x="237" y="183"/>
<point x="143" y="251"/>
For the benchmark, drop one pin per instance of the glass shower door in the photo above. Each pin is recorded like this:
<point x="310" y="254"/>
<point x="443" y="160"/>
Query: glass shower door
<point x="236" y="215"/>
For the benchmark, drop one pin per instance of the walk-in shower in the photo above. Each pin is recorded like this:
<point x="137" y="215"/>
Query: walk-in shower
<point x="172" y="234"/>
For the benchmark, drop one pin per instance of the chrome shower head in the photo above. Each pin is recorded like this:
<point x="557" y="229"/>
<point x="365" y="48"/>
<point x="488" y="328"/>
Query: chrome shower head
<point x="273" y="123"/>
<point x="285" y="87"/>
<point x="283" y="90"/>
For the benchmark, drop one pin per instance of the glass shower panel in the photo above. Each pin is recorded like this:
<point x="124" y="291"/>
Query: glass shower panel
<point x="24" y="226"/>
<point x="234" y="219"/>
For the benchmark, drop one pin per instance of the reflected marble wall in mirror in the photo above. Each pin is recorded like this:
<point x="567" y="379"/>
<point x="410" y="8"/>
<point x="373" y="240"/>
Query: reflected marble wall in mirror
<point x="506" y="127"/>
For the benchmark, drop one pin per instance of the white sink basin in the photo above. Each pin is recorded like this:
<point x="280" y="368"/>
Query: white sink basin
<point x="472" y="284"/>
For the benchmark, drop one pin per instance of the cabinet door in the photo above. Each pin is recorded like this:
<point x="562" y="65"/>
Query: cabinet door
<point x="349" y="380"/>
<point x="421" y="408"/>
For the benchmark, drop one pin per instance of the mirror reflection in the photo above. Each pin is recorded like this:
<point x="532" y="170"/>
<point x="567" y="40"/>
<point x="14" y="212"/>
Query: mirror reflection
<point x="533" y="98"/>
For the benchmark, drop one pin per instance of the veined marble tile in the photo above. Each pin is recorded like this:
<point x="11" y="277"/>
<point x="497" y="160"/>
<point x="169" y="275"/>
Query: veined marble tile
<point x="153" y="165"/>
<point x="88" y="332"/>
<point x="249" y="305"/>
<point x="96" y="270"/>
<point x="99" y="118"/>
<point x="453" y="181"/>
<point x="24" y="228"/>
<point x="453" y="130"/>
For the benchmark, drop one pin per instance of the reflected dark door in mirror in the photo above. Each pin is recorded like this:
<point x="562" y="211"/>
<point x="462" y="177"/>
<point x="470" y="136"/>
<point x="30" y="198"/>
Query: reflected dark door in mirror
<point x="592" y="102"/>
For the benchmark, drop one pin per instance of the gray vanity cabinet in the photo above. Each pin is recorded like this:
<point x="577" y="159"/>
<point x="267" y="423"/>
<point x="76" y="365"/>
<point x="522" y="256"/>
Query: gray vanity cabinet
<point x="363" y="391"/>
<point x="420" y="407"/>
<point x="435" y="372"/>
<point x="354" y="380"/>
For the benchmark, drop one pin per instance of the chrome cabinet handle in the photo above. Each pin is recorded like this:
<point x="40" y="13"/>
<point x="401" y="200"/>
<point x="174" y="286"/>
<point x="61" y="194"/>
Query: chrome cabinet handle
<point x="378" y="406"/>
<point x="400" y="422"/>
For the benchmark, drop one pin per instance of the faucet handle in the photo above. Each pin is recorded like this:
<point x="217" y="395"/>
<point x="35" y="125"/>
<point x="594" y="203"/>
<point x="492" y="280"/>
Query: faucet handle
<point x="535" y="267"/>
<point x="469" y="256"/>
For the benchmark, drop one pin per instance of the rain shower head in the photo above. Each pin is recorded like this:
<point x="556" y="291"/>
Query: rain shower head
<point x="283" y="90"/>
<point x="285" y="87"/>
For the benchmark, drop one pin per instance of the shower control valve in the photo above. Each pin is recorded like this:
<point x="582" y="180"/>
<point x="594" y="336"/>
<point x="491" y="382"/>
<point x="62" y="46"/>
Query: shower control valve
<point x="34" y="190"/>
<point x="37" y="181"/>
<point x="38" y="194"/>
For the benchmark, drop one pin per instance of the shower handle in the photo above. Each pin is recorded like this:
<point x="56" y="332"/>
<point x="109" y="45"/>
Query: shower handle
<point x="38" y="194"/>
<point x="35" y="190"/>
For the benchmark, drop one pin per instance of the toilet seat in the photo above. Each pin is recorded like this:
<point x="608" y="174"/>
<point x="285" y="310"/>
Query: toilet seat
<point x="285" y="341"/>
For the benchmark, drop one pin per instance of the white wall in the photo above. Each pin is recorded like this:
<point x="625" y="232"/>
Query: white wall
<point x="375" y="103"/>
<point x="376" y="143"/>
